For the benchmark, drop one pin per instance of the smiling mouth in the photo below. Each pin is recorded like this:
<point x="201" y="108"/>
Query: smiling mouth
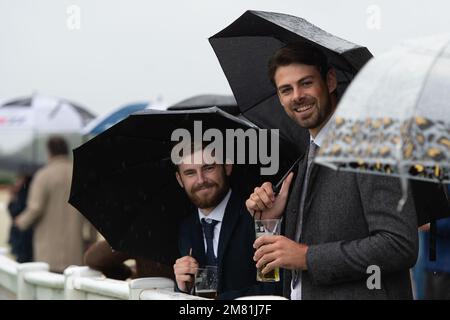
<point x="303" y="108"/>
<point x="203" y="189"/>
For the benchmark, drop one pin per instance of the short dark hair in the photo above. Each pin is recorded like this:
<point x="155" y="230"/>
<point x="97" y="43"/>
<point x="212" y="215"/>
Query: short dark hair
<point x="57" y="145"/>
<point x="298" y="52"/>
<point x="191" y="149"/>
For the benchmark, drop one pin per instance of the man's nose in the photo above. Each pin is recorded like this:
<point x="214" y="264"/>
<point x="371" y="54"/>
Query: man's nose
<point x="298" y="94"/>
<point x="200" y="177"/>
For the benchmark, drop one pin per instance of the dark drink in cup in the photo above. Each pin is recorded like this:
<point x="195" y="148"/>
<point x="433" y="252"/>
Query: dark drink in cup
<point x="206" y="293"/>
<point x="206" y="282"/>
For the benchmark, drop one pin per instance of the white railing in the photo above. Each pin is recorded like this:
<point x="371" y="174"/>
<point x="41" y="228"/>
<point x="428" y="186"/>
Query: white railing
<point x="8" y="272"/>
<point x="138" y="286"/>
<point x="31" y="281"/>
<point x="83" y="283"/>
<point x="34" y="281"/>
<point x="42" y="285"/>
<point x="162" y="294"/>
<point x="157" y="289"/>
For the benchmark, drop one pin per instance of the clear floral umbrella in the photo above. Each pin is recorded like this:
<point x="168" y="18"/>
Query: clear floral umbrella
<point x="395" y="116"/>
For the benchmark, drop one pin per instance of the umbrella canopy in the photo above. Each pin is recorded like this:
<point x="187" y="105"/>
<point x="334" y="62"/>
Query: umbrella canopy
<point x="124" y="179"/>
<point x="100" y="124"/>
<point x="25" y="123"/>
<point x="245" y="47"/>
<point x="395" y="119"/>
<point x="225" y="102"/>
<point x="43" y="115"/>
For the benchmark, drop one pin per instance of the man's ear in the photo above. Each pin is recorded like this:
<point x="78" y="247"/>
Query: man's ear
<point x="331" y="80"/>
<point x="179" y="179"/>
<point x="228" y="169"/>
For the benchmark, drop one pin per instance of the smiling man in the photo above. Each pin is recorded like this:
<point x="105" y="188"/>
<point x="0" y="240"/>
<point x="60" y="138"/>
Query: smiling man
<point x="219" y="231"/>
<point x="338" y="225"/>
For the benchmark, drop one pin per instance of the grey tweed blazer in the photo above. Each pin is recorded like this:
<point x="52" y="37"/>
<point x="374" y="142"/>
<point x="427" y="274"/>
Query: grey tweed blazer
<point x="350" y="222"/>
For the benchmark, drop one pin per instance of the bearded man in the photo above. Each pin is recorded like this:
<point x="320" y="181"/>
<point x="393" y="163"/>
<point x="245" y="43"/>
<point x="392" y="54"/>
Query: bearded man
<point x="220" y="232"/>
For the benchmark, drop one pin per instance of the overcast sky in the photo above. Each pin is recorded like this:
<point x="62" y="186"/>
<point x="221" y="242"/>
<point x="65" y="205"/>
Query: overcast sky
<point x="136" y="50"/>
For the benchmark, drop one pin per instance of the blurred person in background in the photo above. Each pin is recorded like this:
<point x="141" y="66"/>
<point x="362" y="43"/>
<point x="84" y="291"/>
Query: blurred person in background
<point x="58" y="227"/>
<point x="20" y="241"/>
<point x="100" y="256"/>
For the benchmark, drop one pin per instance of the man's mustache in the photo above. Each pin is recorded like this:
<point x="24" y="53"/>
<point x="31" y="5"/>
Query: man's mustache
<point x="305" y="101"/>
<point x="203" y="186"/>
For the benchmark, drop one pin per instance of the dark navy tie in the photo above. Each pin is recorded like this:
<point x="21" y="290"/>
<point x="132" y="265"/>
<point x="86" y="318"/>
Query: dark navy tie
<point x="208" y="231"/>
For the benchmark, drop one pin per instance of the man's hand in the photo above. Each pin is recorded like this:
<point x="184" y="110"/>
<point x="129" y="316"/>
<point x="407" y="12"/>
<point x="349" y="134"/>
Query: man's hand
<point x="263" y="204"/>
<point x="16" y="222"/>
<point x="279" y="251"/>
<point x="185" y="269"/>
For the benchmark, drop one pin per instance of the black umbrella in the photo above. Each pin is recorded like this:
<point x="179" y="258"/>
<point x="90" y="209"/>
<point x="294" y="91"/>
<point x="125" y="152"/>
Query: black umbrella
<point x="244" y="48"/>
<point x="124" y="180"/>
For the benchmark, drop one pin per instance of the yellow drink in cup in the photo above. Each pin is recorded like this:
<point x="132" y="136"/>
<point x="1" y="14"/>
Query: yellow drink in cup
<point x="267" y="227"/>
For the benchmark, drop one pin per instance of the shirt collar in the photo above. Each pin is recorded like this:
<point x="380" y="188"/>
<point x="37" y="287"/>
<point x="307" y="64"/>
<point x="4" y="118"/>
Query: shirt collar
<point x="218" y="212"/>
<point x="321" y="135"/>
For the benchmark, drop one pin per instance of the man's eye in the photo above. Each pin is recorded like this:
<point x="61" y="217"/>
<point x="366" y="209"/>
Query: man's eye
<point x="307" y="83"/>
<point x="209" y="168"/>
<point x="285" y="91"/>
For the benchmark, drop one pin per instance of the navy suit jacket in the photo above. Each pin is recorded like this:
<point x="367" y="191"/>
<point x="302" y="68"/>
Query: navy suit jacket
<point x="236" y="268"/>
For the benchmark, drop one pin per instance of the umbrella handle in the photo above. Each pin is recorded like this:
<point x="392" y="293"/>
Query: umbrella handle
<point x="277" y="187"/>
<point x="404" y="185"/>
<point x="192" y="289"/>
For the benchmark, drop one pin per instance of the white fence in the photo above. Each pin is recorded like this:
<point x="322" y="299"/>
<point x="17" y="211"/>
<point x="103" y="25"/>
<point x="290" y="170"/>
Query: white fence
<point x="34" y="281"/>
<point x="8" y="273"/>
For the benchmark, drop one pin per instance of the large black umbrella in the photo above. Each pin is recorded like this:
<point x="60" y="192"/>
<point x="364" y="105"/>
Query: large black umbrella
<point x="124" y="180"/>
<point x="244" y="48"/>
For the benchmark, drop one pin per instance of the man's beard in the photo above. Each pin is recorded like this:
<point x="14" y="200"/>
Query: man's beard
<point x="208" y="202"/>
